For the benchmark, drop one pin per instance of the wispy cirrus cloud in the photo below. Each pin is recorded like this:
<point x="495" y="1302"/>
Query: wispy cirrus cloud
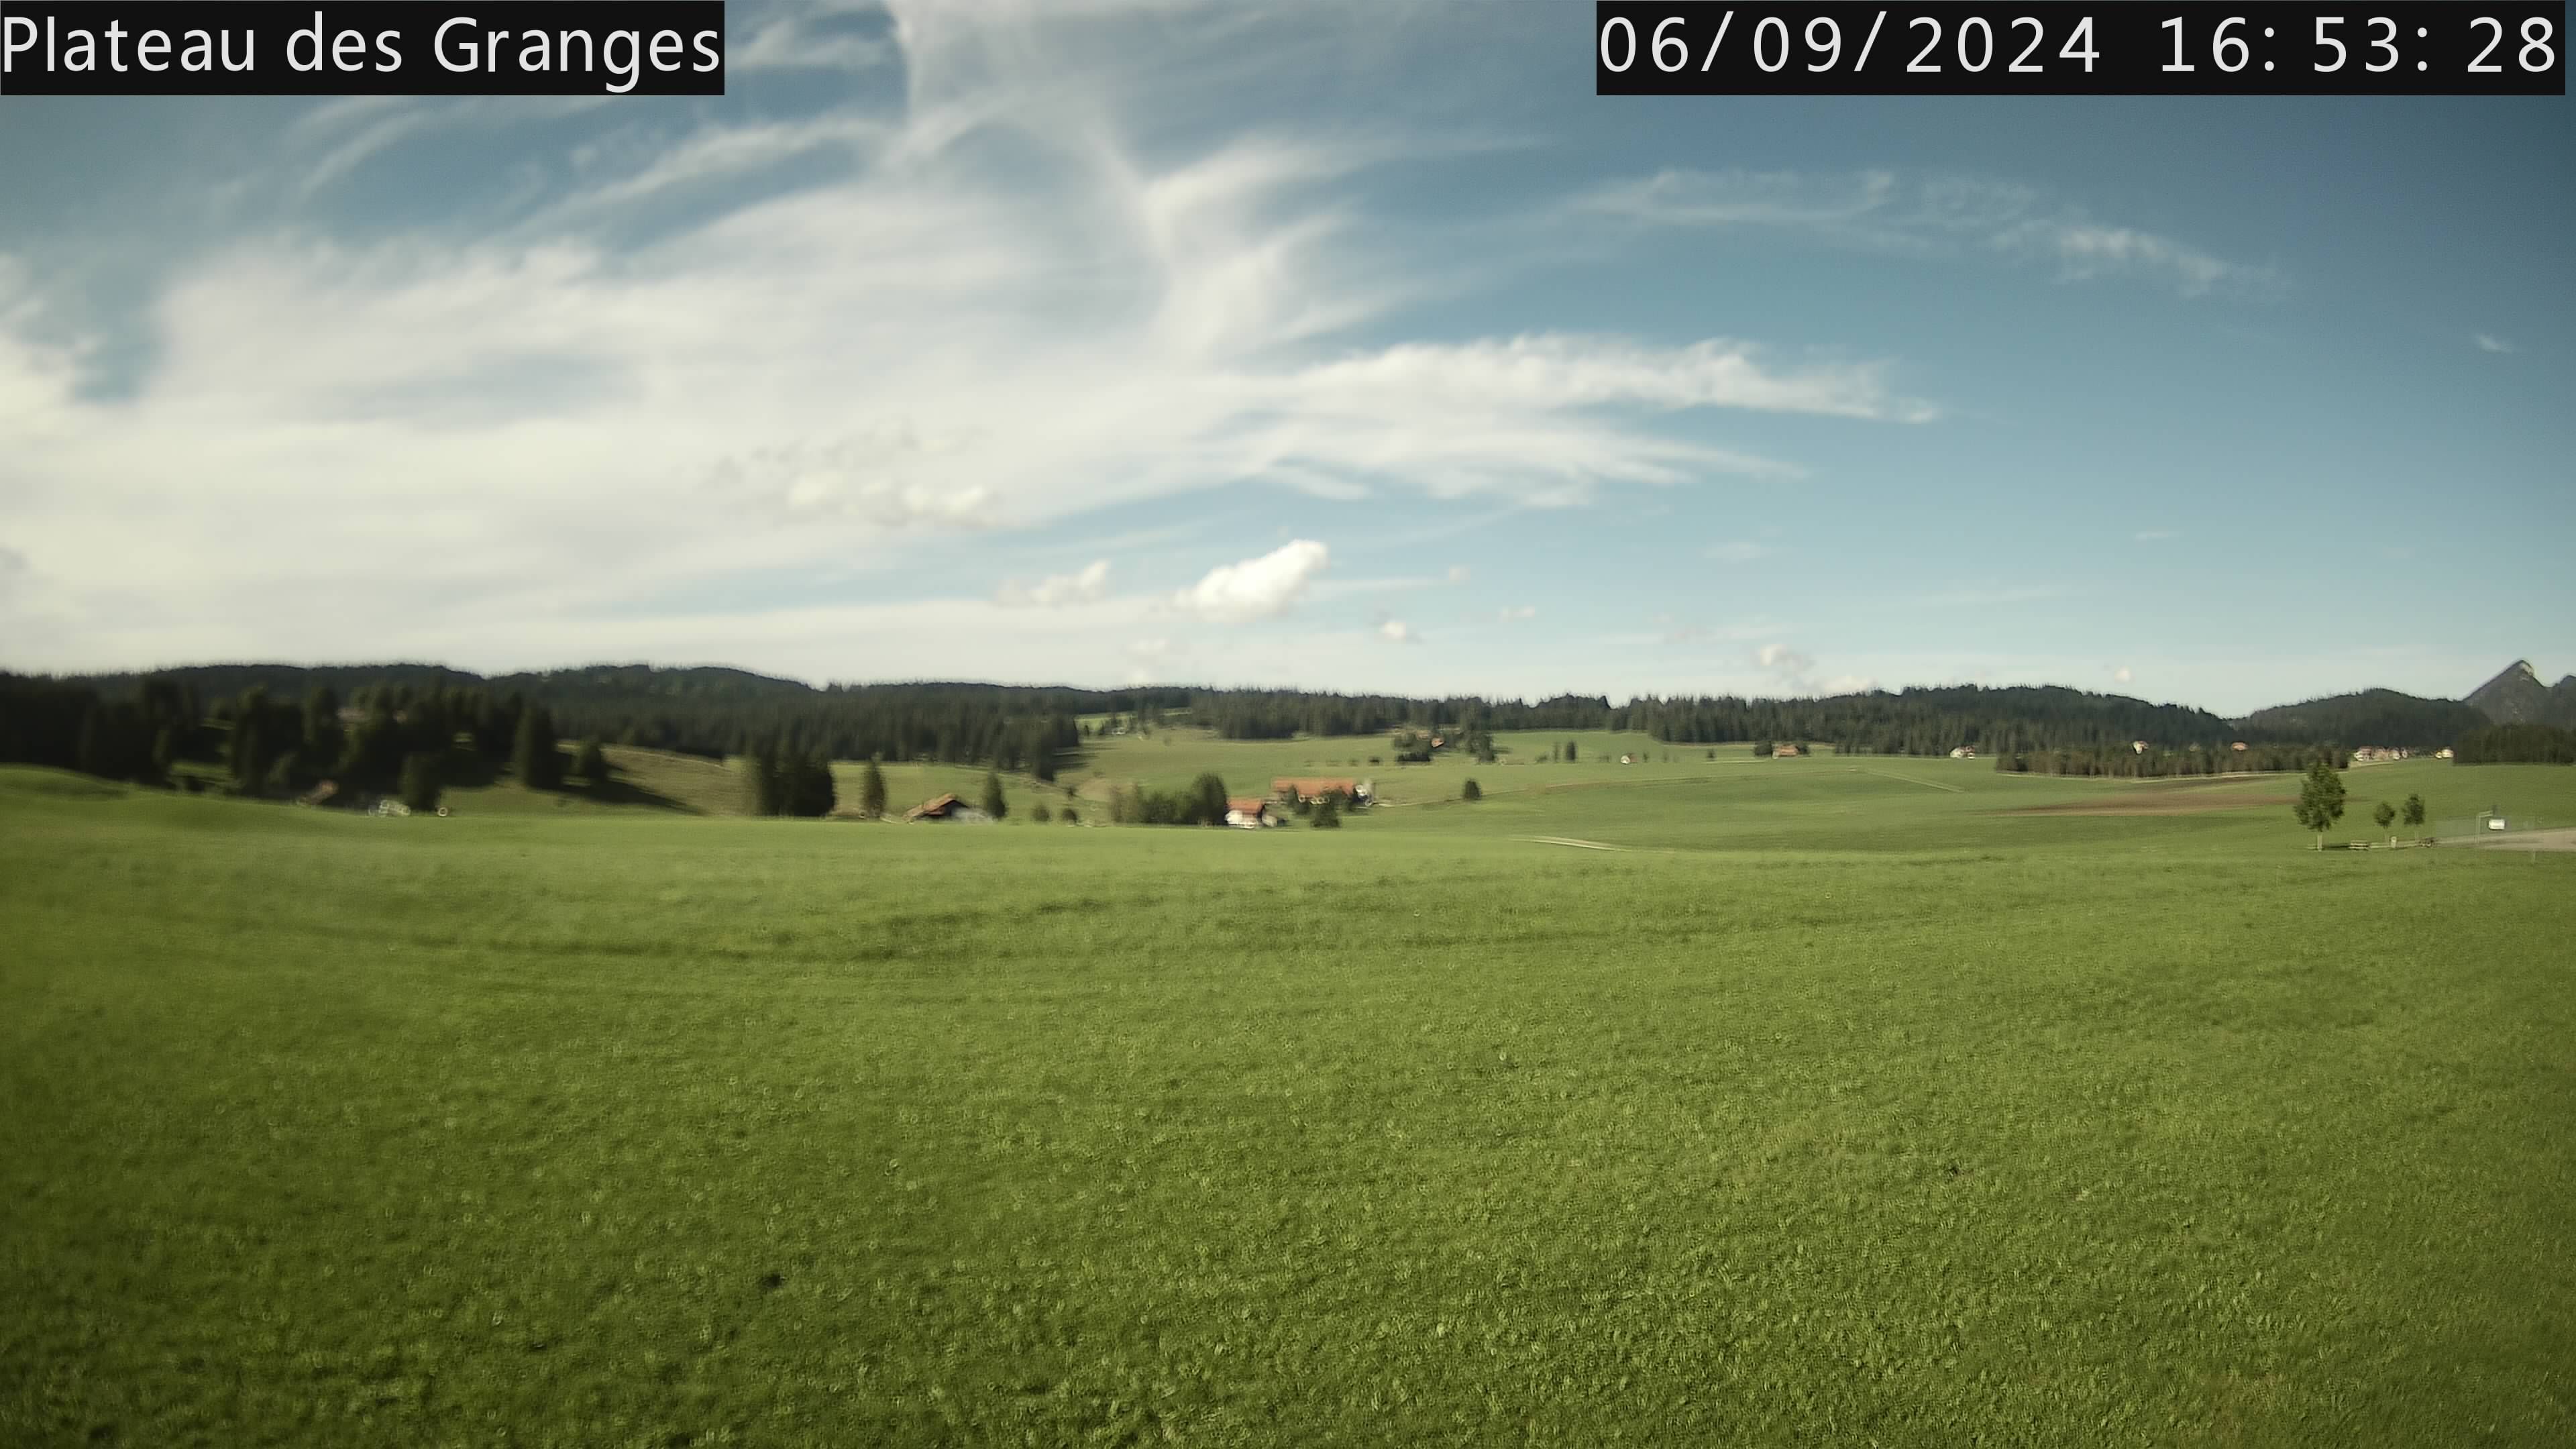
<point x="1017" y="264"/>
<point x="1940" y="215"/>
<point x="2489" y="342"/>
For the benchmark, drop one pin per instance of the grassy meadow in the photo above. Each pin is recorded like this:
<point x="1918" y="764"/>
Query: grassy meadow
<point x="1848" y="1102"/>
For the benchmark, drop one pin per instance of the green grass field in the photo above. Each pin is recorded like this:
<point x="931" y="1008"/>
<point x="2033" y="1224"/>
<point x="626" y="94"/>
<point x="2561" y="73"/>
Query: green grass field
<point x="1835" y="1102"/>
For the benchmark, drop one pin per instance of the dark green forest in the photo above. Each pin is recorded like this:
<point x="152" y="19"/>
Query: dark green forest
<point x="2517" y="744"/>
<point x="278" y="729"/>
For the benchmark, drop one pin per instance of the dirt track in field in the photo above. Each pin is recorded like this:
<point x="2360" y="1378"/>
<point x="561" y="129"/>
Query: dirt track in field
<point x="2520" y="840"/>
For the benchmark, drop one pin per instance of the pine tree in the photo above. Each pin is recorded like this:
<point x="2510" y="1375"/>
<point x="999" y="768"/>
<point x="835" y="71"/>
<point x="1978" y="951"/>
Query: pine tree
<point x="323" y="732"/>
<point x="590" y="763"/>
<point x="534" y="759"/>
<point x="421" y="781"/>
<point x="165" y="750"/>
<point x="994" y="804"/>
<point x="872" y="792"/>
<point x="93" y="749"/>
<point x="1471" y="792"/>
<point x="247" y="754"/>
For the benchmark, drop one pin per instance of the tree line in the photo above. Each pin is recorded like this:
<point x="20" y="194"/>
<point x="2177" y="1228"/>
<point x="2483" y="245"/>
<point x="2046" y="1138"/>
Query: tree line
<point x="402" y="739"/>
<point x="2516" y="744"/>
<point x="718" y="713"/>
<point x="2128" y="763"/>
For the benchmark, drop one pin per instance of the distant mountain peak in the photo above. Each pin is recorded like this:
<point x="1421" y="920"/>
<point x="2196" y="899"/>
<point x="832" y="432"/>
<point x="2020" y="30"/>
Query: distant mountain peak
<point x="2517" y="696"/>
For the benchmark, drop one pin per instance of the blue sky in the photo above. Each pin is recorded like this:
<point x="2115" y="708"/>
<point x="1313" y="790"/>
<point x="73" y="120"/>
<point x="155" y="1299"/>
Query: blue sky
<point x="1342" y="345"/>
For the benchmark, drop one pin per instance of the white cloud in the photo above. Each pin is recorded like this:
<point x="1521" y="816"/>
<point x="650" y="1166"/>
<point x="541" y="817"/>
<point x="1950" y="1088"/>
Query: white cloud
<point x="1846" y="684"/>
<point x="2121" y="675"/>
<point x="1937" y="215"/>
<point x="1515" y="614"/>
<point x="2487" y="342"/>
<point x="1057" y="591"/>
<point x="1738" y="551"/>
<point x="1458" y="573"/>
<point x="1396" y="631"/>
<point x="1781" y="659"/>
<point x="1256" y="588"/>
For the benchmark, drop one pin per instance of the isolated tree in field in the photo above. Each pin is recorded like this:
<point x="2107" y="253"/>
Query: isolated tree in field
<point x="2320" y="800"/>
<point x="993" y="803"/>
<point x="1070" y="818"/>
<point x="590" y="764"/>
<point x="1207" y="800"/>
<point x="420" y="780"/>
<point x="872" y="791"/>
<point x="534" y="758"/>
<point x="1040" y="814"/>
<point x="811" y="791"/>
<point x="2385" y="815"/>
<point x="1569" y="752"/>
<point x="1471" y="792"/>
<point x="2414" y="809"/>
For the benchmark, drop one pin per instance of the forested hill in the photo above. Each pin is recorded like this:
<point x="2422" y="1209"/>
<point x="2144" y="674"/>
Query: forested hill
<point x="2372" y="717"/>
<point x="614" y="685"/>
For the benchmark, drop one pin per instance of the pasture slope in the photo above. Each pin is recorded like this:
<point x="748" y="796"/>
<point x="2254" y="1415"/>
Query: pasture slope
<point x="1848" y="1103"/>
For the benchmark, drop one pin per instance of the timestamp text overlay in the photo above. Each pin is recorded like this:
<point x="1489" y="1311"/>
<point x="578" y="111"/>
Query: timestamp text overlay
<point x="2066" y="48"/>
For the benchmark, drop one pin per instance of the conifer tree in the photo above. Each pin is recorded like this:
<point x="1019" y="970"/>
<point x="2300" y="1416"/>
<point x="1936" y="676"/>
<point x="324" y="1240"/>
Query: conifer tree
<point x="534" y="759"/>
<point x="993" y="802"/>
<point x="421" y="783"/>
<point x="872" y="792"/>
